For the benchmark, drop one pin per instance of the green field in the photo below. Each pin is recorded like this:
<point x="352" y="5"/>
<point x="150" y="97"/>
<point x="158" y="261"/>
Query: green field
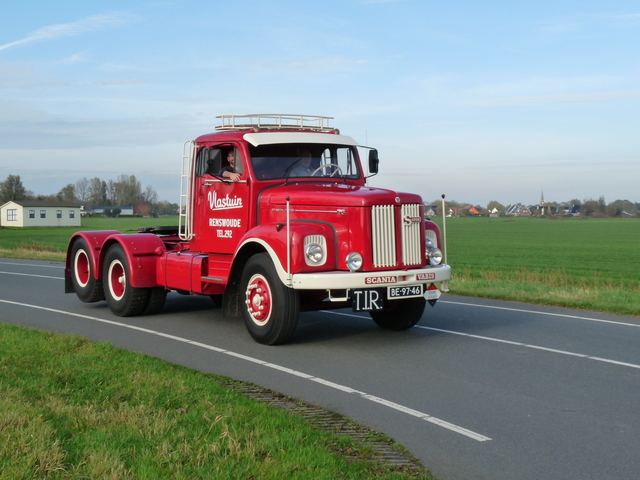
<point x="50" y="243"/>
<point x="579" y="263"/>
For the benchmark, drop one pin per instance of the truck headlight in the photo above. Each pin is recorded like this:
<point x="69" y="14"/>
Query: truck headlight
<point x="435" y="256"/>
<point x="433" y="253"/>
<point x="354" y="261"/>
<point x="314" y="253"/>
<point x="315" y="250"/>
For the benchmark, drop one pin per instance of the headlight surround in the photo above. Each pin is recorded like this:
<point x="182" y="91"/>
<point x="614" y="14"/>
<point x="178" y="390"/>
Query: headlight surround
<point x="354" y="261"/>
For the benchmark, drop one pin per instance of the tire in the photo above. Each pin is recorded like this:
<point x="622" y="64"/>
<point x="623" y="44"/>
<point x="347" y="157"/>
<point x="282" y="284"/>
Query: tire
<point x="123" y="299"/>
<point x="87" y="287"/>
<point x="270" y="308"/>
<point x="157" y="296"/>
<point x="400" y="314"/>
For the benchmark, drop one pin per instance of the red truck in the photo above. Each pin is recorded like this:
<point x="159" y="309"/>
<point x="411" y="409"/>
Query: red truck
<point x="275" y="218"/>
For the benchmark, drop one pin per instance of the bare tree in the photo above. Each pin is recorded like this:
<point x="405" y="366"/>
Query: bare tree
<point x="128" y="190"/>
<point x="97" y="193"/>
<point x="82" y="189"/>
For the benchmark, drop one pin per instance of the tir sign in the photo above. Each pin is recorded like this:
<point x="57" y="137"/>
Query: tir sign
<point x="409" y="220"/>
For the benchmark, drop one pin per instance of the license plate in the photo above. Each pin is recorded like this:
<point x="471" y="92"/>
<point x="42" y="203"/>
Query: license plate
<point x="367" y="300"/>
<point x="406" y="291"/>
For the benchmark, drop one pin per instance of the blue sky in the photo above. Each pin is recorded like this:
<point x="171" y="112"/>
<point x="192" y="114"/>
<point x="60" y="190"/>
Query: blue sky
<point x="478" y="100"/>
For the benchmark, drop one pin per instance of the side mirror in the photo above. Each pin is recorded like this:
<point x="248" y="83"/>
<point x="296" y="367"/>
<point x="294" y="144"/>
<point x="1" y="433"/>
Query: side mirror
<point x="373" y="161"/>
<point x="214" y="161"/>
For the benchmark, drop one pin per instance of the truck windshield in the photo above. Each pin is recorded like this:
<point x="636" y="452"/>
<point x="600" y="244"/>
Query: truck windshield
<point x="304" y="160"/>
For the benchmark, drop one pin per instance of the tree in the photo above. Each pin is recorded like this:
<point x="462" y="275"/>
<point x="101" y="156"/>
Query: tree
<point x="615" y="209"/>
<point x="12" y="189"/>
<point x="497" y="205"/>
<point x="589" y="207"/>
<point x="82" y="189"/>
<point x="97" y="191"/>
<point x="67" y="194"/>
<point x="127" y="190"/>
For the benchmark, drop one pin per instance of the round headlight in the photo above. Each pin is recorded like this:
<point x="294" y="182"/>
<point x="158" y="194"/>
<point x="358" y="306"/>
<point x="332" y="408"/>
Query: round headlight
<point x="314" y="253"/>
<point x="429" y="243"/>
<point x="435" y="256"/>
<point x="354" y="261"/>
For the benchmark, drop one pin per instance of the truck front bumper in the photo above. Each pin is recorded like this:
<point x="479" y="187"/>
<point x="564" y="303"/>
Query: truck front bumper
<point x="357" y="280"/>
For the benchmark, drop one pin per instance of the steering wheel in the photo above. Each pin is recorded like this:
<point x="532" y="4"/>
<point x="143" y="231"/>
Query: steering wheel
<point x="321" y="167"/>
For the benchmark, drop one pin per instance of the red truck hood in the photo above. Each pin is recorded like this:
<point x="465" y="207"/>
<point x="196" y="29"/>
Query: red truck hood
<point x="335" y="194"/>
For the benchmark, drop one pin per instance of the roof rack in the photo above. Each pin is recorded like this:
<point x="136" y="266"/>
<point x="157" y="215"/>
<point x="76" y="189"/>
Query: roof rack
<point x="274" y="121"/>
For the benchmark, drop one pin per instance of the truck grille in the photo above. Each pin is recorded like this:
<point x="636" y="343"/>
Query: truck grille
<point x="383" y="235"/>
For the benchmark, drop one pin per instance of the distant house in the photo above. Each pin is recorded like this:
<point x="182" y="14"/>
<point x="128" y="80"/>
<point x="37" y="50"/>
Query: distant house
<point x="27" y="213"/>
<point x="99" y="210"/>
<point x="474" y="211"/>
<point x="494" y="213"/>
<point x="430" y="211"/>
<point x="517" y="210"/>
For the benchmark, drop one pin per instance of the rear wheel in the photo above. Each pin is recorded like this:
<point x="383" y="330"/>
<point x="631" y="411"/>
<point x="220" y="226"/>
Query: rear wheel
<point x="157" y="296"/>
<point x="87" y="287"/>
<point x="123" y="299"/>
<point x="270" y="309"/>
<point x="400" y="314"/>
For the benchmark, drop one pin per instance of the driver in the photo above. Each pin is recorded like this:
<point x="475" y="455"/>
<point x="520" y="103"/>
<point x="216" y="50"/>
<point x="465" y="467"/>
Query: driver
<point x="303" y="167"/>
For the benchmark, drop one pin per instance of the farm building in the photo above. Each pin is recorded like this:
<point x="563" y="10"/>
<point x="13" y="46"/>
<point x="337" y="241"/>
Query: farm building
<point x="99" y="210"/>
<point x="28" y="213"/>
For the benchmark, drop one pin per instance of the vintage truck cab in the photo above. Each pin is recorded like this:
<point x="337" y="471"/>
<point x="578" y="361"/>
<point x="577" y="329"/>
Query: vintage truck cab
<point x="275" y="218"/>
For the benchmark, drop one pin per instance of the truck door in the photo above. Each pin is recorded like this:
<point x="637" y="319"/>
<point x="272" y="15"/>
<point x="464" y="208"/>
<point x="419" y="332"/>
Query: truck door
<point x="221" y="205"/>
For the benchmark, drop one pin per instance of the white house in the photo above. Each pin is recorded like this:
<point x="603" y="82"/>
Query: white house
<point x="32" y="213"/>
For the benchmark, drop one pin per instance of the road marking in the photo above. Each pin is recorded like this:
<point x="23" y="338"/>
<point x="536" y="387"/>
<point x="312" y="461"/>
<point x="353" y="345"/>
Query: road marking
<point x="389" y="404"/>
<point x="37" y="265"/>
<point x="31" y="275"/>
<point x="564" y="315"/>
<point x="509" y="342"/>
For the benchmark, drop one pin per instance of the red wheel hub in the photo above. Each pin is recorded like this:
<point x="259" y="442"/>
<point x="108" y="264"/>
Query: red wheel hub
<point x="258" y="300"/>
<point x="81" y="267"/>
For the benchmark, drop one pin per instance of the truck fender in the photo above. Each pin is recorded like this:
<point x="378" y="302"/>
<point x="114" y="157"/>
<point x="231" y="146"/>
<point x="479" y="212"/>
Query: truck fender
<point x="95" y="241"/>
<point x="272" y="238"/>
<point x="142" y="251"/>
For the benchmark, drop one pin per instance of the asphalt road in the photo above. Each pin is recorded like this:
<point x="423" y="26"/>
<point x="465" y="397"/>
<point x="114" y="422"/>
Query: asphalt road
<point x="479" y="389"/>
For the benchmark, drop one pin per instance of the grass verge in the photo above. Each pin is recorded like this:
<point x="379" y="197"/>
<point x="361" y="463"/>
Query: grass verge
<point x="70" y="408"/>
<point x="549" y="287"/>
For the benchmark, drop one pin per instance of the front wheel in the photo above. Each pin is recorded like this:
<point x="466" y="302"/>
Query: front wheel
<point x="399" y="314"/>
<point x="123" y="299"/>
<point x="270" y="309"/>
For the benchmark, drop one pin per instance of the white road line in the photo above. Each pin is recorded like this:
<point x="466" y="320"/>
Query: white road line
<point x="395" y="406"/>
<point x="509" y="342"/>
<point x="37" y="265"/>
<point x="31" y="275"/>
<point x="537" y="312"/>
<point x="536" y="347"/>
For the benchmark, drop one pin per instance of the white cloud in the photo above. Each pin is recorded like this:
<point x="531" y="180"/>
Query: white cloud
<point x="89" y="24"/>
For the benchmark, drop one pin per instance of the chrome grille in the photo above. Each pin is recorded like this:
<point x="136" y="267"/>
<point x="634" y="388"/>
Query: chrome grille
<point x="411" y="226"/>
<point x="383" y="235"/>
